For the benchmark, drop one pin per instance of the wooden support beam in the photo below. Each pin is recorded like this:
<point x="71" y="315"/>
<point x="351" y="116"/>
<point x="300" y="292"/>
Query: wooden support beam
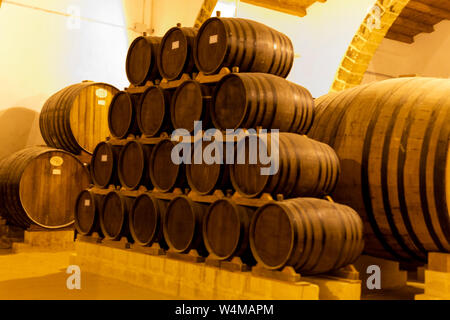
<point x="414" y="25"/>
<point x="285" y="6"/>
<point x="399" y="37"/>
<point x="425" y="8"/>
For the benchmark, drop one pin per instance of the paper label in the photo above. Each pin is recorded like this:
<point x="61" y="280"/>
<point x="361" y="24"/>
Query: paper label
<point x="87" y="203"/>
<point x="101" y="102"/>
<point x="104" y="158"/>
<point x="56" y="161"/>
<point x="213" y="39"/>
<point x="101" y="93"/>
<point x="175" y="45"/>
<point x="57" y="172"/>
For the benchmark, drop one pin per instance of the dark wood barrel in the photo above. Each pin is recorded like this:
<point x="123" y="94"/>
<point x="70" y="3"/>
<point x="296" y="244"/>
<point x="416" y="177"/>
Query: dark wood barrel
<point x="122" y="116"/>
<point x="311" y="235"/>
<point x="146" y="220"/>
<point x="247" y="44"/>
<point x="37" y="187"/>
<point x="87" y="213"/>
<point x="142" y="57"/>
<point x="114" y="216"/>
<point x="205" y="178"/>
<point x="393" y="138"/>
<point x="104" y="163"/>
<point x="176" y="53"/>
<point x="133" y="165"/>
<point x="261" y="100"/>
<point x="154" y="112"/>
<point x="226" y="231"/>
<point x="183" y="225"/>
<point x="306" y="168"/>
<point x="191" y="102"/>
<point x="164" y="173"/>
<point x="76" y="118"/>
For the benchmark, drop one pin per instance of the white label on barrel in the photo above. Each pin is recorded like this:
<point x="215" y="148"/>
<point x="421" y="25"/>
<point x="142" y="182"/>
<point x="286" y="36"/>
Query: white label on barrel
<point x="87" y="203"/>
<point x="101" y="102"/>
<point x="175" y="45"/>
<point x="101" y="93"/>
<point x="57" y="172"/>
<point x="56" y="161"/>
<point x="213" y="39"/>
<point x="104" y="158"/>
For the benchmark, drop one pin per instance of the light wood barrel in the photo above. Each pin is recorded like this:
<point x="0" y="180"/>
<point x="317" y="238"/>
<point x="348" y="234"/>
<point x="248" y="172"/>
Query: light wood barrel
<point x="393" y="141"/>
<point x="87" y="213"/>
<point x="311" y="235"/>
<point x="145" y="220"/>
<point x="122" y="115"/>
<point x="37" y="187"/>
<point x="183" y="225"/>
<point x="306" y="168"/>
<point x="141" y="64"/>
<point x="154" y="112"/>
<point x="226" y="231"/>
<point x="133" y="165"/>
<point x="247" y="44"/>
<point x="76" y="118"/>
<point x="104" y="163"/>
<point x="251" y="100"/>
<point x="176" y="53"/>
<point x="114" y="216"/>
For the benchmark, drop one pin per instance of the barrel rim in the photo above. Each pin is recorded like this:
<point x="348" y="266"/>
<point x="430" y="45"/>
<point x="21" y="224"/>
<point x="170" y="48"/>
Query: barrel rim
<point x="160" y="51"/>
<point x="152" y="162"/>
<point x="205" y="231"/>
<point x="130" y="120"/>
<point x="196" y="43"/>
<point x="174" y="100"/>
<point x="258" y="212"/>
<point x="165" y="223"/>
<point x="76" y="223"/>
<point x="131" y="219"/>
<point x="94" y="154"/>
<point x="139" y="115"/>
<point x="112" y="193"/>
<point x="119" y="171"/>
<point x="127" y="62"/>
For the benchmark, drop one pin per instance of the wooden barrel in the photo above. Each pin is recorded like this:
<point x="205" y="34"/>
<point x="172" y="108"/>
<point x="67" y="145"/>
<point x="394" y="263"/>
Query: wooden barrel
<point x="145" y="220"/>
<point x="87" y="213"/>
<point x="133" y="165"/>
<point x="37" y="186"/>
<point x="261" y="100"/>
<point x="226" y="231"/>
<point x="114" y="216"/>
<point x="104" y="164"/>
<point x="122" y="115"/>
<point x="205" y="178"/>
<point x="183" y="225"/>
<point x="176" y="54"/>
<point x="306" y="168"/>
<point x="154" y="112"/>
<point x="247" y="44"/>
<point x="311" y="235"/>
<point x="76" y="118"/>
<point x="164" y="173"/>
<point x="393" y="138"/>
<point x="191" y="102"/>
<point x="141" y="65"/>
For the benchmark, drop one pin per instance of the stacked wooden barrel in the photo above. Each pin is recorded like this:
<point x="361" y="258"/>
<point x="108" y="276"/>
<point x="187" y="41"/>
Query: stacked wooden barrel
<point x="156" y="189"/>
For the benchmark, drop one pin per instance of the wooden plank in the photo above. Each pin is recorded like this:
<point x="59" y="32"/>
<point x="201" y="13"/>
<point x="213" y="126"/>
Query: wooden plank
<point x="284" y="6"/>
<point x="399" y="37"/>
<point x="424" y="8"/>
<point x="414" y="25"/>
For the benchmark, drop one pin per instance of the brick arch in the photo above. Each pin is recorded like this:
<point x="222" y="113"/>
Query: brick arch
<point x="364" y="45"/>
<point x="205" y="12"/>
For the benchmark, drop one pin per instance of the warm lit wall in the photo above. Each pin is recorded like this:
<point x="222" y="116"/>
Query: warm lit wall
<point x="321" y="38"/>
<point x="427" y="56"/>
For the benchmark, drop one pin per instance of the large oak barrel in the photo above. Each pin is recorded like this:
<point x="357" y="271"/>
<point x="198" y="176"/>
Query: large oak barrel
<point x="176" y="53"/>
<point x="205" y="178"/>
<point x="183" y="225"/>
<point x="154" y="112"/>
<point x="104" y="163"/>
<point x="164" y="173"/>
<point x="133" y="165"/>
<point x="250" y="100"/>
<point x="76" y="118"/>
<point x="39" y="186"/>
<point x="306" y="168"/>
<point x="141" y="64"/>
<point x="191" y="102"/>
<point x="393" y="139"/>
<point x="311" y="235"/>
<point x="146" y="220"/>
<point x="114" y="216"/>
<point x="87" y="213"/>
<point x="122" y="115"/>
<point x="226" y="229"/>
<point x="247" y="44"/>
